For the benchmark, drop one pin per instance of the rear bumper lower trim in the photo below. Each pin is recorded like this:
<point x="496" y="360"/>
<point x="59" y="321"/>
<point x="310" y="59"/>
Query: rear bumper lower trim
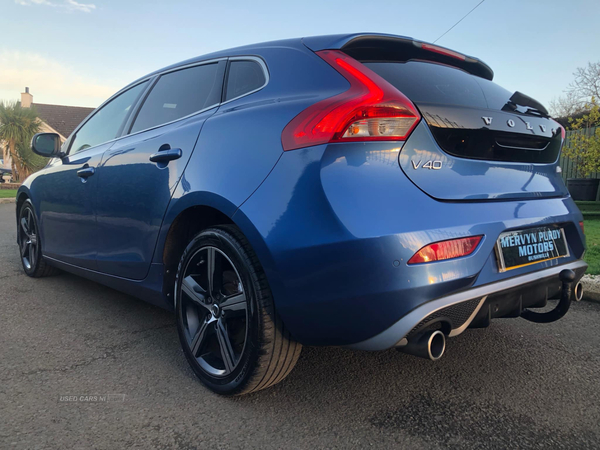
<point x="393" y="336"/>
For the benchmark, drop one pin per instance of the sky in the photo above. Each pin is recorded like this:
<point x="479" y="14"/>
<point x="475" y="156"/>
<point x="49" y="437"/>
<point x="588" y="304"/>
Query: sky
<point x="79" y="53"/>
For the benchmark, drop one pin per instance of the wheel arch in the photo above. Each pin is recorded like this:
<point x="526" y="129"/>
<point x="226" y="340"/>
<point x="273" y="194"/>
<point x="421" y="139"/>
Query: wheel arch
<point x="22" y="196"/>
<point x="189" y="215"/>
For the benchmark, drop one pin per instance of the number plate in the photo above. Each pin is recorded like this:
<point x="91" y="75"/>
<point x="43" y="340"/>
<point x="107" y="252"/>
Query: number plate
<point x="520" y="248"/>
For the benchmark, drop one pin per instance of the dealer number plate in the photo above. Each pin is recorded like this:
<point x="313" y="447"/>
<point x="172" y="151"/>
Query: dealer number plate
<point x="520" y="248"/>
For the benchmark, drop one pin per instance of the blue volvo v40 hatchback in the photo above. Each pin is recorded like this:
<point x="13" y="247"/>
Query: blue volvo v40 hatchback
<point x="367" y="191"/>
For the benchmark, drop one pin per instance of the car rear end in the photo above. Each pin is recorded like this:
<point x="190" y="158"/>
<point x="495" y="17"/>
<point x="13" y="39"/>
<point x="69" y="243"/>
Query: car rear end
<point x="423" y="198"/>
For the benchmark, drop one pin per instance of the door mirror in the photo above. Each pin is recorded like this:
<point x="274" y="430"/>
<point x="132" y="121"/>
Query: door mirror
<point x="46" y="144"/>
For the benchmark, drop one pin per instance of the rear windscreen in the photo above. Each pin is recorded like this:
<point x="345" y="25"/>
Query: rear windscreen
<point x="424" y="82"/>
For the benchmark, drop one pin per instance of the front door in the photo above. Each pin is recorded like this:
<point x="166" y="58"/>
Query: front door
<point x="140" y="172"/>
<point x="66" y="190"/>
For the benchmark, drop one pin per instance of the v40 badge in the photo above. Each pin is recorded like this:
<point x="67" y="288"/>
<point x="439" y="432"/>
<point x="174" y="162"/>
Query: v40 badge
<point x="433" y="165"/>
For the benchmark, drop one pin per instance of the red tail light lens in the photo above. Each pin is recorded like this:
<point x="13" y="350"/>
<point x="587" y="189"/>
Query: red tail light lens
<point x="371" y="110"/>
<point x="582" y="227"/>
<point x="439" y="251"/>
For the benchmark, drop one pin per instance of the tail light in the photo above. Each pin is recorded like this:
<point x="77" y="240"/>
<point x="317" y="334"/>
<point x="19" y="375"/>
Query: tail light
<point x="371" y="110"/>
<point x="582" y="227"/>
<point x="439" y="251"/>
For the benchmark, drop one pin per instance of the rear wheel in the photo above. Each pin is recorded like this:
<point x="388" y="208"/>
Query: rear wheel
<point x="227" y="324"/>
<point x="30" y="247"/>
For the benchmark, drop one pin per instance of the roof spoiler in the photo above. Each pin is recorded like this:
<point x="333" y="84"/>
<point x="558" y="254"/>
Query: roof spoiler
<point x="386" y="47"/>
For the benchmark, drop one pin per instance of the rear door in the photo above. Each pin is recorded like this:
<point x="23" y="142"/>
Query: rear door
<point x="141" y="170"/>
<point x="475" y="143"/>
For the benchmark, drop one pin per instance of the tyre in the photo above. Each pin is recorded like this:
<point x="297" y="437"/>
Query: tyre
<point x="228" y="327"/>
<point x="30" y="246"/>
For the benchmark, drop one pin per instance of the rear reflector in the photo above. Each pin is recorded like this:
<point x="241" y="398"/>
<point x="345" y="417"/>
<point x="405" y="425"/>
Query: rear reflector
<point x="439" y="251"/>
<point x="582" y="227"/>
<point x="371" y="110"/>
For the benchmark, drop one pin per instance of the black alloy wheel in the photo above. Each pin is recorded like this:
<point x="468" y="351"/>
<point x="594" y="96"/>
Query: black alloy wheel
<point x="30" y="247"/>
<point x="214" y="311"/>
<point x="28" y="238"/>
<point x="229" y="331"/>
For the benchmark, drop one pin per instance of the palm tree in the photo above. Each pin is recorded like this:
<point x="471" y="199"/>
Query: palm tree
<point x="17" y="127"/>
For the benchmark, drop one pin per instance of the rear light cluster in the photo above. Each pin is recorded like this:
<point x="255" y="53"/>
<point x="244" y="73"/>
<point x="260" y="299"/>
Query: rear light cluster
<point x="370" y="110"/>
<point x="439" y="251"/>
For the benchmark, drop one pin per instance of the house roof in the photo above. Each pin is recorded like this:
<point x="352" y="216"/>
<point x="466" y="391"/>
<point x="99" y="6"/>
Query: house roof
<point x="63" y="119"/>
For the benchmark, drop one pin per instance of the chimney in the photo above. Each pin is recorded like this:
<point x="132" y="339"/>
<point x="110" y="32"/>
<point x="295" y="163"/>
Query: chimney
<point x="26" y="99"/>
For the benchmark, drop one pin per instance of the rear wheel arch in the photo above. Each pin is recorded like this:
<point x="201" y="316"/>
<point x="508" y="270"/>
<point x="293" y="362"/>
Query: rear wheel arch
<point x="195" y="218"/>
<point x="187" y="224"/>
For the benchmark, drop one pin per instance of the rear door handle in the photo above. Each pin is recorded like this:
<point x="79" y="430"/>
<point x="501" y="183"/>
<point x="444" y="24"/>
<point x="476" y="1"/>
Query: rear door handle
<point x="86" y="172"/>
<point x="164" y="156"/>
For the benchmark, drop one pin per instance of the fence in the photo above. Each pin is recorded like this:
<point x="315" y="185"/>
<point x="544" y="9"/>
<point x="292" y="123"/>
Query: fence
<point x="571" y="168"/>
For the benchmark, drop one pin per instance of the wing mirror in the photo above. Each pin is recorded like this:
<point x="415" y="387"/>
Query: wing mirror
<point x="46" y="144"/>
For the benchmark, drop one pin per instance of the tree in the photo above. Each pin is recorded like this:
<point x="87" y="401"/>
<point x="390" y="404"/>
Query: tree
<point x="584" y="142"/>
<point x="566" y="105"/>
<point x="579" y="92"/>
<point x="17" y="127"/>
<point x="29" y="160"/>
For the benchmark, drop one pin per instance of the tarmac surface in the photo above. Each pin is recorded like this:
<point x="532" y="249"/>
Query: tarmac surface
<point x="83" y="366"/>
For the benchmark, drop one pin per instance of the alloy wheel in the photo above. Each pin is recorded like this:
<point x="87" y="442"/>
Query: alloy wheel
<point x="214" y="311"/>
<point x="28" y="238"/>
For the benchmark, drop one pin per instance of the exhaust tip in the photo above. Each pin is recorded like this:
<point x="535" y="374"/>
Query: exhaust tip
<point x="436" y="345"/>
<point x="578" y="291"/>
<point x="429" y="345"/>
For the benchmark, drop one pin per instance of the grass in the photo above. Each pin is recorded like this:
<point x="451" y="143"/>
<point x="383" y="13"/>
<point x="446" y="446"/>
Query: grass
<point x="8" y="193"/>
<point x="592" y="255"/>
<point x="591" y="223"/>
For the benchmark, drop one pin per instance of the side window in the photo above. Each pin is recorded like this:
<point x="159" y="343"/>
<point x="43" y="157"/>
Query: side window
<point x="105" y="123"/>
<point x="244" y="76"/>
<point x="178" y="94"/>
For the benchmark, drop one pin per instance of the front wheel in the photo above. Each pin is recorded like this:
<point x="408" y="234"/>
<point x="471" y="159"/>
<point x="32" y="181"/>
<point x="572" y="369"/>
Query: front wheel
<point x="227" y="324"/>
<point x="30" y="246"/>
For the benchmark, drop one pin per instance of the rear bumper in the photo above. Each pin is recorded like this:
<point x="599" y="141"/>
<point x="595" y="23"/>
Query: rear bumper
<point x="334" y="227"/>
<point x="465" y="306"/>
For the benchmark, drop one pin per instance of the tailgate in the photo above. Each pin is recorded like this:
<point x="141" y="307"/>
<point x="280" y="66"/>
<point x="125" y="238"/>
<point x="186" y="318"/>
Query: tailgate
<point x="473" y="142"/>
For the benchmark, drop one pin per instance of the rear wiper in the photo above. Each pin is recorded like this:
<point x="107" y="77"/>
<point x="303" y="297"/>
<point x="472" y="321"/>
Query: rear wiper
<point x="533" y="106"/>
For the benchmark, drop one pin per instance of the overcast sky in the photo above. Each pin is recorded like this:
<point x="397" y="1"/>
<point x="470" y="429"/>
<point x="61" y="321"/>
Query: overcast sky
<point x="79" y="54"/>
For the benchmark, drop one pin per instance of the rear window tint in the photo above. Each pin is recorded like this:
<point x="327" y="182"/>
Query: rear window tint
<point x="244" y="76"/>
<point x="424" y="82"/>
<point x="178" y="94"/>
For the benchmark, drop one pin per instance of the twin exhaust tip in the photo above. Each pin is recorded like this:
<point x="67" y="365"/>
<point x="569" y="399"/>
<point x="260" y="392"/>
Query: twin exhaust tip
<point x="578" y="292"/>
<point x="430" y="345"/>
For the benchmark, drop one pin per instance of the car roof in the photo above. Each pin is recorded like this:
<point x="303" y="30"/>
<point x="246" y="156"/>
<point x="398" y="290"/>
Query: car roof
<point x="314" y="43"/>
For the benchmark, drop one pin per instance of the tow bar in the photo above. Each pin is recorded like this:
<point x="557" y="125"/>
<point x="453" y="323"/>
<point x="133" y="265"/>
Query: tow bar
<point x="567" y="277"/>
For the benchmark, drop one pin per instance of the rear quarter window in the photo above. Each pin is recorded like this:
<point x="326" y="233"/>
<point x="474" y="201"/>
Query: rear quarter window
<point x="244" y="76"/>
